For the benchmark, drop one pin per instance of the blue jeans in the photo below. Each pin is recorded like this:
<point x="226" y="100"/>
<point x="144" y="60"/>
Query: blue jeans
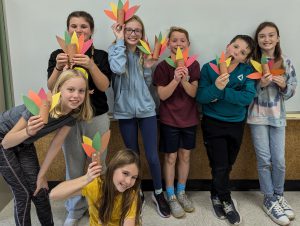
<point x="148" y="127"/>
<point x="269" y="144"/>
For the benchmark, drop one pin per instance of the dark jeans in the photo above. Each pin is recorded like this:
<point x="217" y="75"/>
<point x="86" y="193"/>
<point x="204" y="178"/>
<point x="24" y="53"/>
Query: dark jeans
<point x="222" y="141"/>
<point x="19" y="166"/>
<point x="148" y="127"/>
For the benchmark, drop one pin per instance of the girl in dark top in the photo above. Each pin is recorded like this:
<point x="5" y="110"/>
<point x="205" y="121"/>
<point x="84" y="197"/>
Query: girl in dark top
<point x="18" y="159"/>
<point x="96" y="63"/>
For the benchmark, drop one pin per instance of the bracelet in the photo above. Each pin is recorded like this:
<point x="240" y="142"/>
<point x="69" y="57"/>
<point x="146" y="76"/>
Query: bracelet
<point x="58" y="69"/>
<point x="28" y="132"/>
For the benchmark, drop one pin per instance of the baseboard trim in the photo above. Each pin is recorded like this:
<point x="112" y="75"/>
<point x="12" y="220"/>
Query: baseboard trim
<point x="204" y="185"/>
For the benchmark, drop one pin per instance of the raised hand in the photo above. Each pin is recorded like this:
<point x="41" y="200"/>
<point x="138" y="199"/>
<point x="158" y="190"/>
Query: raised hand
<point x="119" y="33"/>
<point x="61" y="61"/>
<point x="222" y="81"/>
<point x="83" y="60"/>
<point x="34" y="124"/>
<point x="93" y="172"/>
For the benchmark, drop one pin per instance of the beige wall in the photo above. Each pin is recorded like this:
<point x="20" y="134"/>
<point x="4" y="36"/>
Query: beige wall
<point x="244" y="168"/>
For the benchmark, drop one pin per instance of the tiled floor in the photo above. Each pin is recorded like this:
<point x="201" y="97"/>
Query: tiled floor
<point x="249" y="204"/>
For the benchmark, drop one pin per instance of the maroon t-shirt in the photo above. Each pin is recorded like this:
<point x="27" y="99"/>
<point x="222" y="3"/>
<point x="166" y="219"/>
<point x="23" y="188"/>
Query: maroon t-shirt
<point x="179" y="110"/>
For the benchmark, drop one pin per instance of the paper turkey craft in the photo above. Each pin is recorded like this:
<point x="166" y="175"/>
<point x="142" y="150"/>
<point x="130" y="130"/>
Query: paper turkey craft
<point x="73" y="44"/>
<point x="181" y="59"/>
<point x="93" y="147"/>
<point x="160" y="45"/>
<point x="222" y="66"/>
<point x="41" y="103"/>
<point x="266" y="66"/>
<point x="121" y="12"/>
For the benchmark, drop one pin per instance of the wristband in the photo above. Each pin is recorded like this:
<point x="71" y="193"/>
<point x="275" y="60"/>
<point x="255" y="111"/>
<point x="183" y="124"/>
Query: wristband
<point x="58" y="69"/>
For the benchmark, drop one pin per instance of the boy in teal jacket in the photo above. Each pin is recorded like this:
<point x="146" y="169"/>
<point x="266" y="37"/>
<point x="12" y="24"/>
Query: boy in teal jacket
<point x="224" y="100"/>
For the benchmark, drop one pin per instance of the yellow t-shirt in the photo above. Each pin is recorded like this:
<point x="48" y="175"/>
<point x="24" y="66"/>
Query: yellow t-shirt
<point x="92" y="193"/>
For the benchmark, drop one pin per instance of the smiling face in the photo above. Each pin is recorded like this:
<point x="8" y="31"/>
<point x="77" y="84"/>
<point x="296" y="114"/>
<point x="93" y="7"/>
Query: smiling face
<point x="81" y="26"/>
<point x="178" y="39"/>
<point x="73" y="92"/>
<point x="238" y="50"/>
<point x="133" y="32"/>
<point x="125" y="177"/>
<point x="267" y="39"/>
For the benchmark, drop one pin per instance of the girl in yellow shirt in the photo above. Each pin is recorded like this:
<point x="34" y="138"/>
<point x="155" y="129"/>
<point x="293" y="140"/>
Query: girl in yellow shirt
<point x="113" y="198"/>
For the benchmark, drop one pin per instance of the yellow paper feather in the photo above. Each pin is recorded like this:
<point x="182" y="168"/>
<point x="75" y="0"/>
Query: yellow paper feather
<point x="74" y="39"/>
<point x="87" y="140"/>
<point x="114" y="9"/>
<point x="228" y="61"/>
<point x="179" y="54"/>
<point x="55" y="100"/>
<point x="145" y="45"/>
<point x="163" y="40"/>
<point x="256" y="65"/>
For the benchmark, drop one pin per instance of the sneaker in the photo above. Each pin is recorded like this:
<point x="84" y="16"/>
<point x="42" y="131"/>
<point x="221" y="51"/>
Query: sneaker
<point x="272" y="207"/>
<point x="162" y="206"/>
<point x="71" y="222"/>
<point x="287" y="209"/>
<point x="218" y="207"/>
<point x="231" y="212"/>
<point x="186" y="204"/>
<point x="176" y="209"/>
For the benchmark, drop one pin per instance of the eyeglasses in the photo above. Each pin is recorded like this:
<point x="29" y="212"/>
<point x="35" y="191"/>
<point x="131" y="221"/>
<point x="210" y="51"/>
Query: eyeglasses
<point x="129" y="31"/>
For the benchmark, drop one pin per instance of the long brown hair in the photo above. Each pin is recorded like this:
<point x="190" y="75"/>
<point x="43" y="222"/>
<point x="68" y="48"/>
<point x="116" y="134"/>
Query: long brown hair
<point x="109" y="192"/>
<point x="258" y="53"/>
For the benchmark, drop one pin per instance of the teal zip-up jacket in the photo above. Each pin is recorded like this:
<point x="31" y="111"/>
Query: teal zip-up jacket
<point x="229" y="104"/>
<point x="130" y="82"/>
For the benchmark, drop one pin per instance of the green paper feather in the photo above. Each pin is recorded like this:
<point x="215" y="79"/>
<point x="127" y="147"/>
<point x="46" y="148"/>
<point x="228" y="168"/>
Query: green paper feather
<point x="67" y="38"/>
<point x="143" y="50"/>
<point x="217" y="59"/>
<point x="170" y="62"/>
<point x="31" y="106"/>
<point x="97" y="142"/>
<point x="263" y="60"/>
<point x="120" y="4"/>
<point x="159" y="37"/>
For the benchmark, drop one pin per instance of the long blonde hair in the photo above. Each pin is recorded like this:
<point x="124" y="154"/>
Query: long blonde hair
<point x="85" y="111"/>
<point x="109" y="192"/>
<point x="139" y="20"/>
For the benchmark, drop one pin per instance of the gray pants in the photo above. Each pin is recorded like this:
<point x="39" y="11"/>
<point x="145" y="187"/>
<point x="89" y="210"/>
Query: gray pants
<point x="76" y="158"/>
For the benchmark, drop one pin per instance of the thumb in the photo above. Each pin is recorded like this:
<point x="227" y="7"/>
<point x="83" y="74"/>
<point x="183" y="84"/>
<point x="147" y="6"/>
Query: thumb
<point x="36" y="191"/>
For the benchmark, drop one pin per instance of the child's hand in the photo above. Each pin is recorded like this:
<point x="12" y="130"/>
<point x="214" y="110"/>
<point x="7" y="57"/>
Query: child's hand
<point x="61" y="60"/>
<point x="280" y="81"/>
<point x="83" y="60"/>
<point x="148" y="63"/>
<point x="222" y="81"/>
<point x="185" y="74"/>
<point x="93" y="172"/>
<point x="178" y="74"/>
<point x="266" y="80"/>
<point x="119" y="33"/>
<point x="34" y="124"/>
<point x="40" y="183"/>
